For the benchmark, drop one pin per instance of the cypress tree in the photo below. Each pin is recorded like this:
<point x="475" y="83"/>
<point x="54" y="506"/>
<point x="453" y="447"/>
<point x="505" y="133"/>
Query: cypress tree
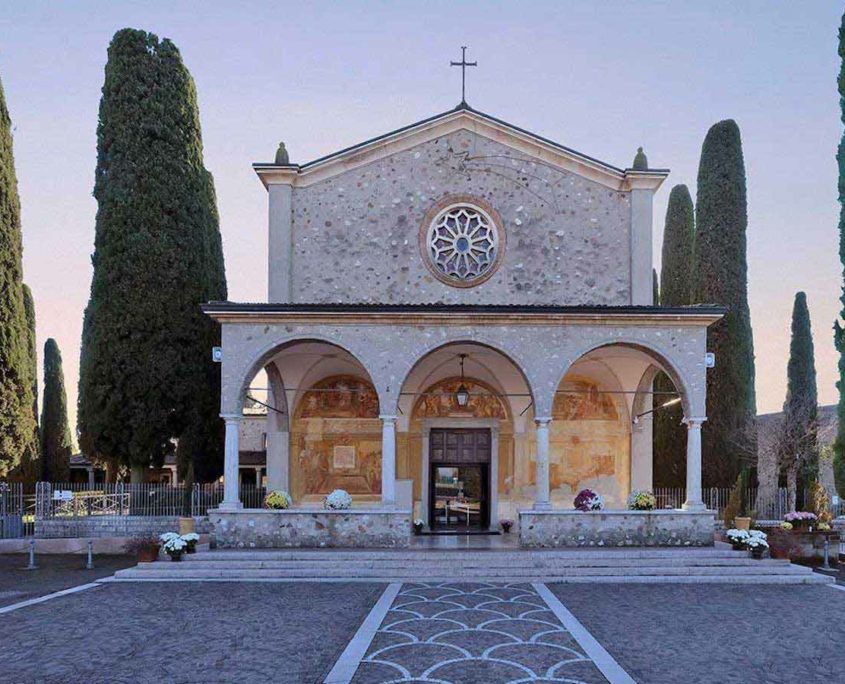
<point x="801" y="406"/>
<point x="55" y="431"/>
<point x="655" y="288"/>
<point x="721" y="277"/>
<point x="146" y="375"/>
<point x="17" y="424"/>
<point x="838" y="330"/>
<point x="670" y="435"/>
<point x="30" y="467"/>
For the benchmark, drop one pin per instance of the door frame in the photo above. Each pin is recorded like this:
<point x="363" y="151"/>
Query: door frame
<point x="491" y="424"/>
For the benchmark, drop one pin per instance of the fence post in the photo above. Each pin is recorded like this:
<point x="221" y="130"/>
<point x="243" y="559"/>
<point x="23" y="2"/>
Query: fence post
<point x="119" y="489"/>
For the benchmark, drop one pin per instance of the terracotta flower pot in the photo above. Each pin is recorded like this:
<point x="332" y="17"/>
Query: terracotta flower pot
<point x="742" y="523"/>
<point x="757" y="552"/>
<point x="148" y="554"/>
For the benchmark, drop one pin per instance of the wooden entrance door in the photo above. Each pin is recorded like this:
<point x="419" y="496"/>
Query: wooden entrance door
<point x="459" y="481"/>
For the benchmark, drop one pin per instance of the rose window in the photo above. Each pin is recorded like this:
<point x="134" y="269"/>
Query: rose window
<point x="463" y="243"/>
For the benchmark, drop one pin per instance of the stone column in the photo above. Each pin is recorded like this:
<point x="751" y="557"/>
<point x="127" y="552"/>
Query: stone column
<point x="90" y="470"/>
<point x="278" y="460"/>
<point x="542" y="498"/>
<point x="694" y="502"/>
<point x="388" y="461"/>
<point x="257" y="477"/>
<point x="231" y="500"/>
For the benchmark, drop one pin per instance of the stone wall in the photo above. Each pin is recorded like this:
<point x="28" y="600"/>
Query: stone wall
<point x="111" y="526"/>
<point x="356" y="235"/>
<point x="264" y="529"/>
<point x="550" y="529"/>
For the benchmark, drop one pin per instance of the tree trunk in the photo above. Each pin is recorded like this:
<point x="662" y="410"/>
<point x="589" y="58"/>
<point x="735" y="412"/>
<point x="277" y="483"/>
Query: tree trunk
<point x="138" y="474"/>
<point x="791" y="486"/>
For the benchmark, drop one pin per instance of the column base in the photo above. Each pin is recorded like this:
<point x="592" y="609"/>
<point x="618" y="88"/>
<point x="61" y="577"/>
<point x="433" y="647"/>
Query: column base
<point x="230" y="506"/>
<point x="694" y="506"/>
<point x="388" y="504"/>
<point x="542" y="506"/>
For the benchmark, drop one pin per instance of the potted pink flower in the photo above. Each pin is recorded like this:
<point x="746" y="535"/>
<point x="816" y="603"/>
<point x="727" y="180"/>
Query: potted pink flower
<point x="588" y="500"/>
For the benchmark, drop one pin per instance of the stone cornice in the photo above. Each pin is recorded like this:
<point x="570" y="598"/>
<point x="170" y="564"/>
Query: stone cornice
<point x="231" y="313"/>
<point x="523" y="141"/>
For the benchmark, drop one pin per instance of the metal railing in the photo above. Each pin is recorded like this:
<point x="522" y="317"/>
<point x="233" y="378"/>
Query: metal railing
<point x="14" y="521"/>
<point x="76" y="499"/>
<point x="716" y="498"/>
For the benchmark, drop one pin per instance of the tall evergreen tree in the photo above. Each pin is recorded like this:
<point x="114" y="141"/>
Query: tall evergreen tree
<point x="30" y="467"/>
<point x="146" y="375"/>
<point x="721" y="277"/>
<point x="17" y="425"/>
<point x="55" y="431"/>
<point x="800" y="409"/>
<point x="670" y="436"/>
<point x="838" y="329"/>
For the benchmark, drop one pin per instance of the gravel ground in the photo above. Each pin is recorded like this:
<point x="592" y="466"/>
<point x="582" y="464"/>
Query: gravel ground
<point x="55" y="572"/>
<point x="184" y="633"/>
<point x="665" y="634"/>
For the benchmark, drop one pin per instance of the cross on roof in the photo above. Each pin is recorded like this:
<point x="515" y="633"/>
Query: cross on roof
<point x="463" y="64"/>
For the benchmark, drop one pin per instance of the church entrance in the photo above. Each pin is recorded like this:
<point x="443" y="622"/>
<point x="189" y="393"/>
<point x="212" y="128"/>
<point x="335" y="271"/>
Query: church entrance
<point x="459" y="480"/>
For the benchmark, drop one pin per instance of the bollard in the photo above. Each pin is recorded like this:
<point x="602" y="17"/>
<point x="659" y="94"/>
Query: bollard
<point x="32" y="565"/>
<point x="826" y="565"/>
<point x="90" y="564"/>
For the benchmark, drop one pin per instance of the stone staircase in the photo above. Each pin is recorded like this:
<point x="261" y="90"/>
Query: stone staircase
<point x="693" y="565"/>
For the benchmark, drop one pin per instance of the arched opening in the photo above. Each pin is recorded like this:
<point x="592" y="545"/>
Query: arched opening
<point x="321" y="425"/>
<point x="460" y="455"/>
<point x="601" y="430"/>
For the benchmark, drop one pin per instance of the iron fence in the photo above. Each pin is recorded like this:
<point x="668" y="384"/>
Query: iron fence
<point x="14" y="521"/>
<point x="76" y="499"/>
<point x="716" y="498"/>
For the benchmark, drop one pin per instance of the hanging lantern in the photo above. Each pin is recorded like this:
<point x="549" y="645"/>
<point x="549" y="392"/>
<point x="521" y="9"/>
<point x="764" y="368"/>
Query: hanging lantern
<point x="462" y="395"/>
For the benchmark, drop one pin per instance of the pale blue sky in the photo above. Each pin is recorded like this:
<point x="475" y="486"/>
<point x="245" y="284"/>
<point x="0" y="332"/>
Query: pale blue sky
<point x="601" y="77"/>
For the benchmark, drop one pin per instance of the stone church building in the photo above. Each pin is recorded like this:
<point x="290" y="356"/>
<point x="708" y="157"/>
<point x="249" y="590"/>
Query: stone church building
<point x="459" y="329"/>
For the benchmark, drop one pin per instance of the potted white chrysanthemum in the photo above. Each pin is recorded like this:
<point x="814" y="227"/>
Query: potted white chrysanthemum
<point x="191" y="540"/>
<point x="737" y="538"/>
<point x="174" y="547"/>
<point x="338" y="500"/>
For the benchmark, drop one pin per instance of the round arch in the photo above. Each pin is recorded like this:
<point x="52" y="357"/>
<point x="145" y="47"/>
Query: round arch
<point x="272" y="351"/>
<point x="656" y="356"/>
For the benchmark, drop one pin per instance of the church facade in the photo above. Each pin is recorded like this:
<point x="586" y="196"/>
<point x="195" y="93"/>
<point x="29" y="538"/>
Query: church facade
<point x="459" y="330"/>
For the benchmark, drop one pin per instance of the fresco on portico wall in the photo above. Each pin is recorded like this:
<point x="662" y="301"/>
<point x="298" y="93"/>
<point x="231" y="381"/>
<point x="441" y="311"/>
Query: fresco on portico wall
<point x="439" y="401"/>
<point x="589" y="446"/>
<point x="336" y="439"/>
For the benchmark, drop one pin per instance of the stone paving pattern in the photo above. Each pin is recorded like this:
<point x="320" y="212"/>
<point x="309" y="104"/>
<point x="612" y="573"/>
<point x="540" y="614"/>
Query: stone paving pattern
<point x="55" y="572"/>
<point x="184" y="633"/>
<point x="473" y="633"/>
<point x="712" y="634"/>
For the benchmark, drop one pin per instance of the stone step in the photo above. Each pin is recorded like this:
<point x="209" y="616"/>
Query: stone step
<point x="727" y="578"/>
<point x="411" y="574"/>
<point x="441" y="555"/>
<point x="421" y="567"/>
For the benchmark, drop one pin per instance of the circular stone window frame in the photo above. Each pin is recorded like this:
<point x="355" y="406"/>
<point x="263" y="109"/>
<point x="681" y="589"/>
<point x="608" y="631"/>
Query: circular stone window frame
<point x="453" y="202"/>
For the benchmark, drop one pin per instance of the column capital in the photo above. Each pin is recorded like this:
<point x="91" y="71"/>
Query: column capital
<point x="388" y="418"/>
<point x="542" y="420"/>
<point x="231" y="417"/>
<point x="694" y="422"/>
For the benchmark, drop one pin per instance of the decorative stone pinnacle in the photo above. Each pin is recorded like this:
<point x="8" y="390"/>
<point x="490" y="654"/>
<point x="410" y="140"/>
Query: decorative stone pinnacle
<point x="640" y="160"/>
<point x="282" y="158"/>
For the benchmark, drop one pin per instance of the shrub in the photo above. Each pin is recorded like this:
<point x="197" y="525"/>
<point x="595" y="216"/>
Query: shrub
<point x="641" y="500"/>
<point x="277" y="500"/>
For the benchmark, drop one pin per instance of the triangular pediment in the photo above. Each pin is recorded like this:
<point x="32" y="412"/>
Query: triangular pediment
<point x="467" y="119"/>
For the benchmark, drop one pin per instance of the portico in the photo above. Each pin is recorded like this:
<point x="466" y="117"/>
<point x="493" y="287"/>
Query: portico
<point x="541" y="380"/>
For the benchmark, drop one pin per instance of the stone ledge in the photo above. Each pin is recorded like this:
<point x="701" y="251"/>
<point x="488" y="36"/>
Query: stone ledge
<point x="570" y="528"/>
<point x="273" y="529"/>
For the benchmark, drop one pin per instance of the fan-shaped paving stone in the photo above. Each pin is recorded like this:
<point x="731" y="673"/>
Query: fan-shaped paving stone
<point x="473" y="633"/>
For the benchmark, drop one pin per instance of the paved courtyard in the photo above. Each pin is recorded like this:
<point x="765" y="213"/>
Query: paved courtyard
<point x="455" y="633"/>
